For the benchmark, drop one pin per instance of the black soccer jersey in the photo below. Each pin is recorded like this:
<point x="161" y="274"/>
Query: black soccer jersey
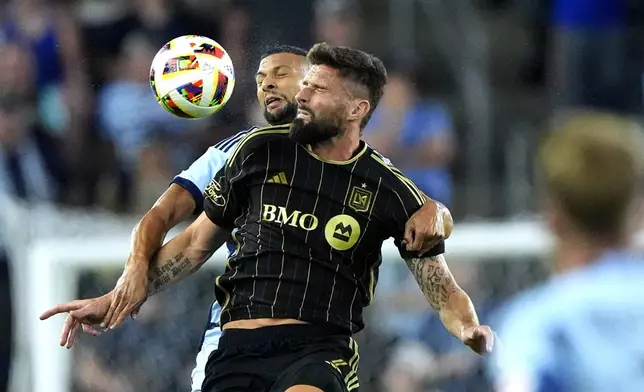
<point x="308" y="231"/>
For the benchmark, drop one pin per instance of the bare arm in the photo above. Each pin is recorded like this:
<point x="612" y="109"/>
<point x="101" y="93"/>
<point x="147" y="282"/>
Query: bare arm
<point x="185" y="253"/>
<point x="175" y="205"/>
<point x="443" y="294"/>
<point x="177" y="259"/>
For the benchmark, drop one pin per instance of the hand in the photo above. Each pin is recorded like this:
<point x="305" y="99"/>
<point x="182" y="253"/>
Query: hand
<point x="82" y="313"/>
<point x="428" y="226"/>
<point x="130" y="292"/>
<point x="480" y="339"/>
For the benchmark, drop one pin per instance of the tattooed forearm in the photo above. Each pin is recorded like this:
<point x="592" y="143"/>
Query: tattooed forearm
<point x="434" y="278"/>
<point x="169" y="271"/>
<point x="443" y="294"/>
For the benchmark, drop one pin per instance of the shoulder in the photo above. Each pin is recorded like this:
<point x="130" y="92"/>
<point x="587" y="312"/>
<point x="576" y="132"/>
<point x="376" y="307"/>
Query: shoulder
<point x="258" y="138"/>
<point x="227" y="144"/>
<point x="392" y="177"/>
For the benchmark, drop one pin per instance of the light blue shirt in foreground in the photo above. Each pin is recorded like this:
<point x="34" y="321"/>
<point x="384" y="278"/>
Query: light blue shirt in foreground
<point x="581" y="332"/>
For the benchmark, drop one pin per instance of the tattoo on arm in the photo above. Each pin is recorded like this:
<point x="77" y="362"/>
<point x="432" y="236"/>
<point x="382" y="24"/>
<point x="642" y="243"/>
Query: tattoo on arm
<point x="434" y="278"/>
<point x="165" y="273"/>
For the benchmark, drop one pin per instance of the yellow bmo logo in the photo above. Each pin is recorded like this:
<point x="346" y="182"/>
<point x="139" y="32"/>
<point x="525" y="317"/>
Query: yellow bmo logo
<point x="213" y="192"/>
<point x="279" y="214"/>
<point x="360" y="199"/>
<point x="342" y="232"/>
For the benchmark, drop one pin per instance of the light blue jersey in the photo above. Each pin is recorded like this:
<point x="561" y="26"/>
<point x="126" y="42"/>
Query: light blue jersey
<point x="194" y="180"/>
<point x="583" y="331"/>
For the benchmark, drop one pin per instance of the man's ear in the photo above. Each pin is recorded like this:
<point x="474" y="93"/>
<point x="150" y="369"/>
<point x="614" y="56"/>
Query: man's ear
<point x="359" y="109"/>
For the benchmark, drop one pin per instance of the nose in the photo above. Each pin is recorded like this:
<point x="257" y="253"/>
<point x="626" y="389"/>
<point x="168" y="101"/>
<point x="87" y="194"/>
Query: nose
<point x="268" y="84"/>
<point x="301" y="97"/>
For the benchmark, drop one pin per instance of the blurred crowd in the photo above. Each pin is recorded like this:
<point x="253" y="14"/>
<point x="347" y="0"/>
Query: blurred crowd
<point x="79" y="126"/>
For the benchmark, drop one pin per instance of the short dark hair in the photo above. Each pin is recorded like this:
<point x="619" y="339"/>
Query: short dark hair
<point x="284" y="49"/>
<point x="359" y="67"/>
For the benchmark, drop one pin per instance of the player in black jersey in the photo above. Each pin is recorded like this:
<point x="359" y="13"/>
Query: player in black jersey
<point x="310" y="206"/>
<point x="273" y="82"/>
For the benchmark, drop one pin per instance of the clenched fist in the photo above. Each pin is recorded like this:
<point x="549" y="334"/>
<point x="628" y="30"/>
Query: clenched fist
<point x="428" y="226"/>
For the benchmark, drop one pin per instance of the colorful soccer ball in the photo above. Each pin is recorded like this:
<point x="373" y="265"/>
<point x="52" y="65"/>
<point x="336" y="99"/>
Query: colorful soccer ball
<point x="192" y="76"/>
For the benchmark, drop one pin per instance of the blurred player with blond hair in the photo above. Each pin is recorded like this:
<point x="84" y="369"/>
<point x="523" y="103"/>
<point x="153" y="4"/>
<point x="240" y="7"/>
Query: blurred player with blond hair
<point x="583" y="330"/>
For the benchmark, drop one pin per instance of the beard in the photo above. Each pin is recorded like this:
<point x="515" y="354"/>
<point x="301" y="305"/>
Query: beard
<point x="316" y="131"/>
<point x="284" y="116"/>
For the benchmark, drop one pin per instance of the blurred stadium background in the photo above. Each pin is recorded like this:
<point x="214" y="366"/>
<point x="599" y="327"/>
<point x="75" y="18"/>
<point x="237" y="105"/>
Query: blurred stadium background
<point x="85" y="150"/>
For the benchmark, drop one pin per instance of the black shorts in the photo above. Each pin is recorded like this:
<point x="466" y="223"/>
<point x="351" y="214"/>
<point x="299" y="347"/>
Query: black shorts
<point x="272" y="359"/>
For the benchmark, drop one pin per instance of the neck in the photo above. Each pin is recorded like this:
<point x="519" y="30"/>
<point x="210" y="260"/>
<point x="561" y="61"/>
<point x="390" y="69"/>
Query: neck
<point x="341" y="148"/>
<point x="578" y="251"/>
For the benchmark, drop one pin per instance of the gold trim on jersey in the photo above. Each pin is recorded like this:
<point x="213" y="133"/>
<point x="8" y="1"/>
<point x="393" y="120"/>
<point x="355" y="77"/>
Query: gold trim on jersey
<point x="353" y="159"/>
<point x="275" y="129"/>
<point x="416" y="193"/>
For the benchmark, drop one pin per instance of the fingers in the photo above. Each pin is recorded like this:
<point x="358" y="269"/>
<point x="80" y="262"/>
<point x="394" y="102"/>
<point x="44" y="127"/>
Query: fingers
<point x="419" y="239"/>
<point x="136" y="312"/>
<point x="488" y="337"/>
<point x="121" y="316"/>
<point x="86" y="314"/>
<point x="408" y="237"/>
<point x="72" y="334"/>
<point x="88" y="329"/>
<point x="62" y="308"/>
<point x="67" y="327"/>
<point x="116" y="302"/>
<point x="480" y="339"/>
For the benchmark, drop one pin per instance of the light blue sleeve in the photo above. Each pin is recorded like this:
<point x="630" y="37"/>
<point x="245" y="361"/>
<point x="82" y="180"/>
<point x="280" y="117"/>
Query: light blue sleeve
<point x="201" y="172"/>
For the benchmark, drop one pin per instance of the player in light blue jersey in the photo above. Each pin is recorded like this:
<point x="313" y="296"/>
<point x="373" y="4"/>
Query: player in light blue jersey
<point x="278" y="80"/>
<point x="583" y="330"/>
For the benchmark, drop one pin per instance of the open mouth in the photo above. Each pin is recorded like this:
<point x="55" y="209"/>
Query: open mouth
<point x="271" y="100"/>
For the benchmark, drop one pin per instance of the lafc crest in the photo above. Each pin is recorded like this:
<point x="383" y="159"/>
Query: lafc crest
<point x="213" y="192"/>
<point x="360" y="199"/>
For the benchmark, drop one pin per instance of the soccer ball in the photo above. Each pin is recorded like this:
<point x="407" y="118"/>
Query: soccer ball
<point x="192" y="76"/>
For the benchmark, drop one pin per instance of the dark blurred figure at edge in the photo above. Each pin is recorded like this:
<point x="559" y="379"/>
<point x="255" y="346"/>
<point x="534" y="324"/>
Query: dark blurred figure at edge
<point x="6" y="321"/>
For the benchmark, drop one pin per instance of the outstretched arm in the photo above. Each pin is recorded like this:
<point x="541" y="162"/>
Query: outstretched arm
<point x="453" y="305"/>
<point x="177" y="259"/>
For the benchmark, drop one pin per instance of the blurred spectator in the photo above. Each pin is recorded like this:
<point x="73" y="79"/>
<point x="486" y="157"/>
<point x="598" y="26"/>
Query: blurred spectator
<point x="105" y="23"/>
<point x="64" y="102"/>
<point x="28" y="162"/>
<point x="6" y="320"/>
<point x="30" y="159"/>
<point x="158" y="21"/>
<point x="24" y="172"/>
<point x="130" y="117"/>
<point x="589" y="54"/>
<point x="337" y="22"/>
<point x="415" y="132"/>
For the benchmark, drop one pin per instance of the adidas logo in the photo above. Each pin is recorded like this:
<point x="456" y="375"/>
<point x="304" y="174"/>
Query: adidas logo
<point x="279" y="178"/>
